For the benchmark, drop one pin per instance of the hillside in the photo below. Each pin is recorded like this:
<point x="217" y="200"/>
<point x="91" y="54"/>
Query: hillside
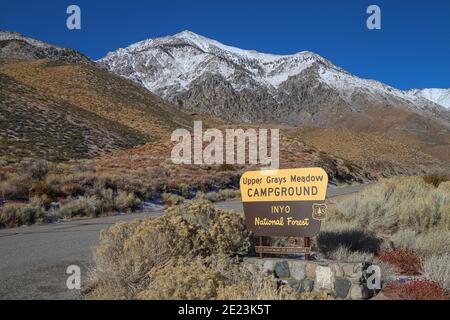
<point x="57" y="104"/>
<point x="378" y="155"/>
<point x="63" y="110"/>
<point x="36" y="125"/>
<point x="15" y="46"/>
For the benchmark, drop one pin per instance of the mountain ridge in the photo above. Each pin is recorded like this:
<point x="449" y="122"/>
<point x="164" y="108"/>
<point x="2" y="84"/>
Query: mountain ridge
<point x="140" y="62"/>
<point x="14" y="45"/>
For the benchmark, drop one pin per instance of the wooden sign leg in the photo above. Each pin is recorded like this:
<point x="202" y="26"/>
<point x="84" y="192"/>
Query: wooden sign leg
<point x="307" y="244"/>
<point x="261" y="254"/>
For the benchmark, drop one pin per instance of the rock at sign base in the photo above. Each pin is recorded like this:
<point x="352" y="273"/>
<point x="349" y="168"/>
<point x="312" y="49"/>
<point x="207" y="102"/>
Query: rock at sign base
<point x="282" y="269"/>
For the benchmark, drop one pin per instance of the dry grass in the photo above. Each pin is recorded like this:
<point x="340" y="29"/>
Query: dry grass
<point x="397" y="204"/>
<point x="379" y="155"/>
<point x="343" y="253"/>
<point x="353" y="240"/>
<point x="412" y="212"/>
<point x="99" y="92"/>
<point x="433" y="242"/>
<point x="437" y="268"/>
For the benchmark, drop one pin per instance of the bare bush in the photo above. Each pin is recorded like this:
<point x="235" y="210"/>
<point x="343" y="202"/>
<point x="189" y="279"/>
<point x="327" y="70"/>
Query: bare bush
<point x="38" y="169"/>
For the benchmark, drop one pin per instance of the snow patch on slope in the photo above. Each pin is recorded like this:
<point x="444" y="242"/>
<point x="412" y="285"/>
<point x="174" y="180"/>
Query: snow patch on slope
<point x="438" y="96"/>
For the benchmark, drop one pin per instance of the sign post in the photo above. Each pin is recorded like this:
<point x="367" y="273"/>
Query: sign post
<point x="284" y="203"/>
<point x="307" y="244"/>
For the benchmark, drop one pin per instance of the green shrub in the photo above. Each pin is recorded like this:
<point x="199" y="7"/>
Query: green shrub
<point x="212" y="196"/>
<point x="185" y="190"/>
<point x="172" y="199"/>
<point x="221" y="195"/>
<point x="225" y="167"/>
<point x="83" y="206"/>
<point x="129" y="253"/>
<point x="19" y="214"/>
<point x="126" y="201"/>
<point x="229" y="193"/>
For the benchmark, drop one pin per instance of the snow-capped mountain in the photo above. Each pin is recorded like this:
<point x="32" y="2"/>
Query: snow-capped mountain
<point x="204" y="75"/>
<point x="439" y="96"/>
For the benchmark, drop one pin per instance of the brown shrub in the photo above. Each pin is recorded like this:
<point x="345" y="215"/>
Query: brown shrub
<point x="41" y="188"/>
<point x="225" y="167"/>
<point x="435" y="179"/>
<point x="72" y="189"/>
<point x="16" y="186"/>
<point x="407" y="262"/>
<point x="417" y="290"/>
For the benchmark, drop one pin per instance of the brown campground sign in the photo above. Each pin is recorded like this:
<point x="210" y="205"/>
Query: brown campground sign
<point x="284" y="203"/>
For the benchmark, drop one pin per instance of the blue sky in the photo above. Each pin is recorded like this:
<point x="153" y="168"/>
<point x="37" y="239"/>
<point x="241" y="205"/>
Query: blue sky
<point x="412" y="50"/>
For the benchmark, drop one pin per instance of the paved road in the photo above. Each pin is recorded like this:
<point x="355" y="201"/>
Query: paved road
<point x="33" y="259"/>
